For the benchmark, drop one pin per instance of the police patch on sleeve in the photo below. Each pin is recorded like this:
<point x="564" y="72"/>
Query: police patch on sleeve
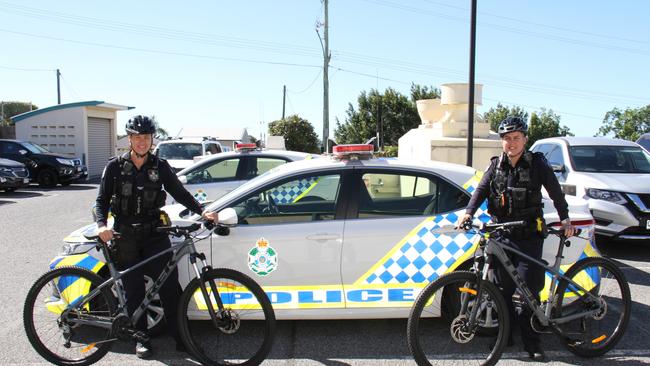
<point x="262" y="259"/>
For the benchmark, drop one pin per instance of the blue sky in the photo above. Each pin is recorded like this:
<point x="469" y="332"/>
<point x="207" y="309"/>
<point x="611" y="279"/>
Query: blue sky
<point x="223" y="64"/>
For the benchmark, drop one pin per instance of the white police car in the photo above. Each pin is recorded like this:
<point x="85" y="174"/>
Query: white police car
<point x="213" y="176"/>
<point x="351" y="236"/>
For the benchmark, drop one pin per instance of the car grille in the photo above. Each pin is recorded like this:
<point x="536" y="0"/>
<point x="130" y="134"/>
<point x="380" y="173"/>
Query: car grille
<point x="20" y="172"/>
<point x="641" y="202"/>
<point x="645" y="198"/>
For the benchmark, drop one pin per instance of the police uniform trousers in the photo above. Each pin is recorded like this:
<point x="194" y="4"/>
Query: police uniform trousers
<point x="533" y="276"/>
<point x="131" y="250"/>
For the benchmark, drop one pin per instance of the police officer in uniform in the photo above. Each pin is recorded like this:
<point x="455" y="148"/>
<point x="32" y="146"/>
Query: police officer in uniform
<point x="512" y="185"/>
<point x="132" y="186"/>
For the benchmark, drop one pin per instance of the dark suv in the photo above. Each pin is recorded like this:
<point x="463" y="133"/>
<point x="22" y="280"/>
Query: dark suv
<point x="12" y="175"/>
<point x="46" y="168"/>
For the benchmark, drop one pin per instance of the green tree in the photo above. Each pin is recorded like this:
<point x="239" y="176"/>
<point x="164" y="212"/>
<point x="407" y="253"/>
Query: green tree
<point x="423" y="92"/>
<point x="398" y="115"/>
<point x="628" y="124"/>
<point x="10" y="109"/>
<point x="545" y="124"/>
<point x="497" y="114"/>
<point x="161" y="133"/>
<point x="298" y="133"/>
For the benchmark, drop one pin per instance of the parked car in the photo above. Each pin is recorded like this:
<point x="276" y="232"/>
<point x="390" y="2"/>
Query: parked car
<point x="213" y="176"/>
<point x="13" y="175"/>
<point x="612" y="175"/>
<point x="46" y="168"/>
<point x="336" y="238"/>
<point x="180" y="153"/>
<point x="644" y="141"/>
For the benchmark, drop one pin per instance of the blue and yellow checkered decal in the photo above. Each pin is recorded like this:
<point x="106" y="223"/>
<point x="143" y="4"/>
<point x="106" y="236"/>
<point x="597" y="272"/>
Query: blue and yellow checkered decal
<point x="424" y="255"/>
<point x="71" y="288"/>
<point x="293" y="191"/>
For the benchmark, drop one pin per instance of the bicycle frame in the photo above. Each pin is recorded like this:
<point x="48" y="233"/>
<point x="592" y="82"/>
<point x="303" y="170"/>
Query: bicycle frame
<point x="187" y="247"/>
<point x="495" y="249"/>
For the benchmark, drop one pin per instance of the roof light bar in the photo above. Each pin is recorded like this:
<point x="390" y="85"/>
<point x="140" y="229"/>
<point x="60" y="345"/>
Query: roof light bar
<point x="242" y="147"/>
<point x="353" y="148"/>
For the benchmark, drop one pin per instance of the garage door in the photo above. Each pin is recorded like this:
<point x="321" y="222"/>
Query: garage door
<point x="99" y="145"/>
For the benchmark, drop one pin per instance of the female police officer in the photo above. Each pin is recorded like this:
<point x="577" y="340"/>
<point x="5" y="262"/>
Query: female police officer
<point x="132" y="186"/>
<point x="512" y="185"/>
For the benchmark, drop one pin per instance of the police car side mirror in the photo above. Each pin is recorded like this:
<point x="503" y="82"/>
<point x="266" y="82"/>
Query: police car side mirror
<point x="182" y="179"/>
<point x="228" y="216"/>
<point x="557" y="167"/>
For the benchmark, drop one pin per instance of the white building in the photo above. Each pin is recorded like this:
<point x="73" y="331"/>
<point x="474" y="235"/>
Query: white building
<point x="84" y="129"/>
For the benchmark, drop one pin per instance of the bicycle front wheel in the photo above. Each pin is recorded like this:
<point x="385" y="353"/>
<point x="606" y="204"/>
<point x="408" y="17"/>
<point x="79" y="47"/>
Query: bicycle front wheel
<point x="595" y="334"/>
<point x="245" y="330"/>
<point x="53" y="317"/>
<point x="439" y="328"/>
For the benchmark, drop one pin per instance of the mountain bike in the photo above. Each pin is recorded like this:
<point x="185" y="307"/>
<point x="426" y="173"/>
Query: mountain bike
<point x="463" y="314"/>
<point x="73" y="317"/>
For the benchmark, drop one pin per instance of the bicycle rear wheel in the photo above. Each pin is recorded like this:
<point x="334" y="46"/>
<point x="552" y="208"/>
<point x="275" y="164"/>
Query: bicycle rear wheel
<point x="438" y="325"/>
<point x="246" y="330"/>
<point x="596" y="334"/>
<point x="51" y="319"/>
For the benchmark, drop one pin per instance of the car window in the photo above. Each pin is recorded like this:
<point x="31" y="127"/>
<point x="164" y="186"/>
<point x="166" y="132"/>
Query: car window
<point x="543" y="148"/>
<point x="179" y="151"/>
<point x="261" y="165"/>
<point x="212" y="148"/>
<point x="386" y="194"/>
<point x="555" y="156"/>
<point x="645" y="142"/>
<point x="219" y="171"/>
<point x="304" y="199"/>
<point x="10" y="148"/>
<point x="610" y="159"/>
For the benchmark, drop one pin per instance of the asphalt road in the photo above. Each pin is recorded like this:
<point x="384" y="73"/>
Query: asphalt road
<point x="34" y="221"/>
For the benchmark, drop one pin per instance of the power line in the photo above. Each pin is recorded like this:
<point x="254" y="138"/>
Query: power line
<point x="24" y="69"/>
<point x="509" y="29"/>
<point x="308" y="86"/>
<point x="398" y="65"/>
<point x="528" y="22"/>
<point x="95" y="44"/>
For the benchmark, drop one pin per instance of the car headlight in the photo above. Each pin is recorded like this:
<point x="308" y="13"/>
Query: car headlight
<point x="77" y="248"/>
<point x="65" y="161"/>
<point x="609" y="196"/>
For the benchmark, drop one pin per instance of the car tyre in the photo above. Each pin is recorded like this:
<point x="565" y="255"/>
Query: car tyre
<point x="47" y="178"/>
<point x="9" y="189"/>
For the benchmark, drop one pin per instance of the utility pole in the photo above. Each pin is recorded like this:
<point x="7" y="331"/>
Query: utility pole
<point x="326" y="62"/>
<point x="472" y="64"/>
<point x="58" y="86"/>
<point x="284" y="99"/>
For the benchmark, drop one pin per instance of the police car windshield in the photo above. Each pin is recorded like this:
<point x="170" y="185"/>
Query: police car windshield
<point x="610" y="159"/>
<point x="179" y="151"/>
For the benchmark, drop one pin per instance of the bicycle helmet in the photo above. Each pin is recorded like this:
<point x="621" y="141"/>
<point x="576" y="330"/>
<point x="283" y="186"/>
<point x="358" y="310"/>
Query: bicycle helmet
<point x="140" y="125"/>
<point x="511" y="124"/>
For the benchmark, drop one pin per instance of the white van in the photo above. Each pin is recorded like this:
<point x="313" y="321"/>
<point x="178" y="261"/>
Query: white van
<point x="180" y="153"/>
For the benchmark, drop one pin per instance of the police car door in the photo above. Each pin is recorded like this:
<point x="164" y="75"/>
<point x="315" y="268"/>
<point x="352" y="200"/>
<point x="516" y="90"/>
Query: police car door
<point x="289" y="240"/>
<point x="389" y="252"/>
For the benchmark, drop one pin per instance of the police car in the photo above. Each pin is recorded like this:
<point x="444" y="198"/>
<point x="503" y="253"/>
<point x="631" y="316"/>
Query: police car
<point x="350" y="236"/>
<point x="212" y="176"/>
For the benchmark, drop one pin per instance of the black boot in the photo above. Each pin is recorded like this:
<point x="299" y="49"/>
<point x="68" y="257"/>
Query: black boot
<point x="535" y="353"/>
